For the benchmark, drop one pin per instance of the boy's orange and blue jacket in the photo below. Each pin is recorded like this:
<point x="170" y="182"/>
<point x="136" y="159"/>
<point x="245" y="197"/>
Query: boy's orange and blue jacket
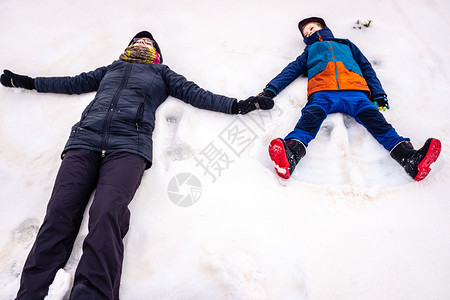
<point x="331" y="65"/>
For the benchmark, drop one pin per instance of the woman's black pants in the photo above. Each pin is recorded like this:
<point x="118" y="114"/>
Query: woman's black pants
<point x="115" y="179"/>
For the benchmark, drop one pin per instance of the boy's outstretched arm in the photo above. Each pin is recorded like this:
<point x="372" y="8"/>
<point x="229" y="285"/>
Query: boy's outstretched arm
<point x="264" y="100"/>
<point x="377" y="93"/>
<point x="376" y="89"/>
<point x="291" y="72"/>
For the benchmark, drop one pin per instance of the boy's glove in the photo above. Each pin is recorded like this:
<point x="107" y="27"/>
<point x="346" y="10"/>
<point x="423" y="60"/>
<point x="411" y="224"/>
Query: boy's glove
<point x="255" y="102"/>
<point x="10" y="79"/>
<point x="267" y="93"/>
<point x="381" y="102"/>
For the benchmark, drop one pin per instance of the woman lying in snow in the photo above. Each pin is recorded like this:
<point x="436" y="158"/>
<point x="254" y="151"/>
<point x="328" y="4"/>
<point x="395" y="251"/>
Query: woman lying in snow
<point x="107" y="151"/>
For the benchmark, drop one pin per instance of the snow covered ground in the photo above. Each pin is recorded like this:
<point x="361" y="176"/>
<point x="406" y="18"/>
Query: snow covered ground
<point x="349" y="224"/>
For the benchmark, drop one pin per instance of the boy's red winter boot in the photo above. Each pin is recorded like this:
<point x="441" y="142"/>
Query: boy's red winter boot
<point x="286" y="155"/>
<point x="417" y="162"/>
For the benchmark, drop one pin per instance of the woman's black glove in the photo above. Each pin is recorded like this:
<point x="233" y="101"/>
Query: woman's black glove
<point x="11" y="79"/>
<point x="255" y="102"/>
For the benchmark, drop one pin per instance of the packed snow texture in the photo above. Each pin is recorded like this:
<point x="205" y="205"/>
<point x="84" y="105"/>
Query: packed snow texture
<point x="349" y="223"/>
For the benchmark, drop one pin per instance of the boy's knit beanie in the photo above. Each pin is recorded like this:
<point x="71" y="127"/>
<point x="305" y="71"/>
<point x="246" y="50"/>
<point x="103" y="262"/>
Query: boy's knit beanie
<point x="146" y="34"/>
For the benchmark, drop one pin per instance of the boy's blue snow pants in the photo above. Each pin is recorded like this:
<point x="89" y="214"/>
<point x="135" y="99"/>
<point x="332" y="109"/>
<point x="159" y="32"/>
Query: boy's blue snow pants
<point x="353" y="103"/>
<point x="115" y="178"/>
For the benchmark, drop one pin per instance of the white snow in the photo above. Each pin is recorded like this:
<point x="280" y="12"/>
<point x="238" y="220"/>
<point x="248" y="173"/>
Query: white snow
<point x="349" y="224"/>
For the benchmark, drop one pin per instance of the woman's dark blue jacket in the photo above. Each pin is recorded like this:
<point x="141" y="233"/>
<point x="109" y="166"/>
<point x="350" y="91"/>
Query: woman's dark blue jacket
<point x="122" y="115"/>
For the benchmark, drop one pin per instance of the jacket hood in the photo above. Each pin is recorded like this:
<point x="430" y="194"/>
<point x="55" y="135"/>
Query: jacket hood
<point x="308" y="20"/>
<point x="146" y="34"/>
<point x="320" y="35"/>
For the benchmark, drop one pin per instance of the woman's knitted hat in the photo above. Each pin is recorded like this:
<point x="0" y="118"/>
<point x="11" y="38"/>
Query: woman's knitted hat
<point x="146" y="34"/>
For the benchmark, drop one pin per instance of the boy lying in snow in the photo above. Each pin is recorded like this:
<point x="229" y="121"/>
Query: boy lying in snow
<point x="340" y="80"/>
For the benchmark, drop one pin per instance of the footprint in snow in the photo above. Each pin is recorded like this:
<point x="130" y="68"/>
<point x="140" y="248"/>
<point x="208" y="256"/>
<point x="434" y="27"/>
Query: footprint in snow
<point x="174" y="149"/>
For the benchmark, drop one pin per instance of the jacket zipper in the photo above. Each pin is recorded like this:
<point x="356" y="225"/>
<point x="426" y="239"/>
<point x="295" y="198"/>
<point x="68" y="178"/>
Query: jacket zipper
<point x="335" y="64"/>
<point x="112" y="107"/>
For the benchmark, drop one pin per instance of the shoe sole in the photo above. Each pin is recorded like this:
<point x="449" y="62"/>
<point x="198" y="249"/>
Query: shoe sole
<point x="277" y="154"/>
<point x="432" y="155"/>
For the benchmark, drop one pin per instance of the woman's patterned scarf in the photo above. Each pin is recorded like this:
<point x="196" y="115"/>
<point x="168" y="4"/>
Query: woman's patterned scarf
<point x="140" y="55"/>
